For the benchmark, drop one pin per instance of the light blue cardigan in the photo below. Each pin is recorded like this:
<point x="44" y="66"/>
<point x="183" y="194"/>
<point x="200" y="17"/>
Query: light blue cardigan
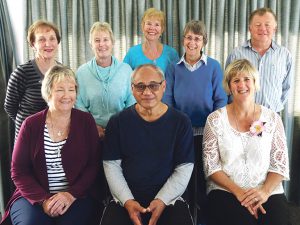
<point x="104" y="91"/>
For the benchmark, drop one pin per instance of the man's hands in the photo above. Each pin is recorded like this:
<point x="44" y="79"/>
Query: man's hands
<point x="134" y="210"/>
<point x="156" y="207"/>
<point x="58" y="204"/>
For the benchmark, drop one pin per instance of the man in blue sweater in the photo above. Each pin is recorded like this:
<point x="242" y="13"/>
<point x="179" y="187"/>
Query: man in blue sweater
<point x="148" y="157"/>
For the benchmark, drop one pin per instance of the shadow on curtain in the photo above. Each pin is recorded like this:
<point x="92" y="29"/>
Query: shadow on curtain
<point x="6" y="128"/>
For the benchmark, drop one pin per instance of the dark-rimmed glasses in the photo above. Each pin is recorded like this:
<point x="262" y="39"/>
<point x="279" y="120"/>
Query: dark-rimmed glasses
<point x="141" y="87"/>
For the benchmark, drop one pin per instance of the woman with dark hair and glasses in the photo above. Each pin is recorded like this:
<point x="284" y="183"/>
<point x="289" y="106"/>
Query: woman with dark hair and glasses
<point x="194" y="86"/>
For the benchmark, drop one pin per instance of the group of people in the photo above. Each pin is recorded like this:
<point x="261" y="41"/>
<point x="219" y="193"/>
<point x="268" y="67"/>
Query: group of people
<point x="178" y="141"/>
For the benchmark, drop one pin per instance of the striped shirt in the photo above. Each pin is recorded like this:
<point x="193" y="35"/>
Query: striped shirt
<point x="23" y="96"/>
<point x="56" y="174"/>
<point x="275" y="71"/>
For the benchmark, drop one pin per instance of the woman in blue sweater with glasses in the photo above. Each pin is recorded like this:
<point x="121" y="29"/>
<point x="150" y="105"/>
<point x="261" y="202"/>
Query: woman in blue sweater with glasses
<point x="194" y="86"/>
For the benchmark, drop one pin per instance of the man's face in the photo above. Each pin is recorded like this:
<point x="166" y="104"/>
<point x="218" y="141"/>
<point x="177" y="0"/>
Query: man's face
<point x="148" y="88"/>
<point x="262" y="28"/>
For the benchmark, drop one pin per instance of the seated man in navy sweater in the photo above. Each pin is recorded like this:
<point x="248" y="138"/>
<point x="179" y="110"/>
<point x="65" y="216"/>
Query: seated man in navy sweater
<point x="148" y="157"/>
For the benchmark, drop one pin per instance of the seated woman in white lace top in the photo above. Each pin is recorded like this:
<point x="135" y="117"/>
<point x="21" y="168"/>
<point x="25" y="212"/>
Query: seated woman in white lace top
<point x="245" y="156"/>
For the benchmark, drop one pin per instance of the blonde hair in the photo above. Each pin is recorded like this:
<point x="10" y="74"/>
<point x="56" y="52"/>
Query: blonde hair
<point x="237" y="67"/>
<point x="152" y="12"/>
<point x="56" y="74"/>
<point x="101" y="26"/>
<point x="38" y="25"/>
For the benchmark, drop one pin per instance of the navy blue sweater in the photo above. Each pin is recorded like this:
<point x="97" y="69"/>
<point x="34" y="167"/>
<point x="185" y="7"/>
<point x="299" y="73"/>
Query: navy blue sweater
<point x="149" y="150"/>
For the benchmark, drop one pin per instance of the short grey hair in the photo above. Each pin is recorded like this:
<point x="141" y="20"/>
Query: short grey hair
<point x="152" y="66"/>
<point x="53" y="75"/>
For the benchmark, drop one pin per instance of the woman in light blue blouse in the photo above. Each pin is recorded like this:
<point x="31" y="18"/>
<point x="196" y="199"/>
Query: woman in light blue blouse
<point x="104" y="82"/>
<point x="152" y="50"/>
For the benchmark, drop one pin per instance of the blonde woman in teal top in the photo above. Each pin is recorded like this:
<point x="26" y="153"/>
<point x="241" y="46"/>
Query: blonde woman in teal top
<point x="152" y="51"/>
<point x="104" y="82"/>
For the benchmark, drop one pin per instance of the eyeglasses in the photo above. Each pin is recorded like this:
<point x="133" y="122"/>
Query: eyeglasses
<point x="141" y="87"/>
<point x="196" y="39"/>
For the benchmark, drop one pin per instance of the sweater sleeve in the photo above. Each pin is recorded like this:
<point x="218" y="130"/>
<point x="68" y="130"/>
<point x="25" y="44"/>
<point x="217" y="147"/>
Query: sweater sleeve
<point x="130" y="100"/>
<point x="168" y="97"/>
<point x="21" y="168"/>
<point x="211" y="155"/>
<point x="80" y="100"/>
<point x="14" y="93"/>
<point x="279" y="161"/>
<point x="176" y="183"/>
<point x="220" y="98"/>
<point x="116" y="181"/>
<point x="88" y="173"/>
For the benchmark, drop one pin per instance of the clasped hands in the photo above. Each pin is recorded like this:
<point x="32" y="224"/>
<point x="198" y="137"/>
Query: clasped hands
<point x="253" y="199"/>
<point x="135" y="210"/>
<point x="58" y="204"/>
<point x="101" y="131"/>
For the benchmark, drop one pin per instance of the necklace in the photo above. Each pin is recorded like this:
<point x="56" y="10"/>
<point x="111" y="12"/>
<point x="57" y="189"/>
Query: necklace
<point x="55" y="131"/>
<point x="58" y="133"/>
<point x="58" y="152"/>
<point x="243" y="139"/>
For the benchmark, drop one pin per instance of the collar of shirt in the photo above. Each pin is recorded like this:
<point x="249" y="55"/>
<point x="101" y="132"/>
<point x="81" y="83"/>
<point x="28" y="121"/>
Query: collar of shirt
<point x="202" y="60"/>
<point x="247" y="44"/>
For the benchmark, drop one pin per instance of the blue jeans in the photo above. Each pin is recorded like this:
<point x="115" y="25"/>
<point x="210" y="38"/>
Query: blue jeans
<point x="23" y="213"/>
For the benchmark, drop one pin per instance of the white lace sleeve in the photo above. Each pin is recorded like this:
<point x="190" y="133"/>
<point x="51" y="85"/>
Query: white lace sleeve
<point x="279" y="162"/>
<point x="211" y="155"/>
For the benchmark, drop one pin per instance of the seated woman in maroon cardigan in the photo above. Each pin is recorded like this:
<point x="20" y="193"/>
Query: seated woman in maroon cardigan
<point x="55" y="160"/>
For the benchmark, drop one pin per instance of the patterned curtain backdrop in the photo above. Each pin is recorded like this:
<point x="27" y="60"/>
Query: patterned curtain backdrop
<point x="227" y="26"/>
<point x="6" y="127"/>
